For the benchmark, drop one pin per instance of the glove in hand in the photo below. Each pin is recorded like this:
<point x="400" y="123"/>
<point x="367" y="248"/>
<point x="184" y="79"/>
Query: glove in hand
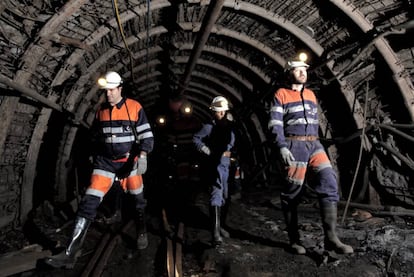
<point x="287" y="156"/>
<point x="142" y="165"/>
<point x="206" y="150"/>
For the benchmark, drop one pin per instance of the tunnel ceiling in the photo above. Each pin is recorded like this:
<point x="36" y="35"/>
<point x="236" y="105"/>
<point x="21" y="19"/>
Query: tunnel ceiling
<point x="361" y="51"/>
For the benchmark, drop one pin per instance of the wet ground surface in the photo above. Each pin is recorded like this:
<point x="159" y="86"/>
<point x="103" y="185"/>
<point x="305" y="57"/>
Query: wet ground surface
<point x="257" y="246"/>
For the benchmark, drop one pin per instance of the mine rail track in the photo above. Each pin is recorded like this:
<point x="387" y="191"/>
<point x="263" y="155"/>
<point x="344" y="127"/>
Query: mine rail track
<point x="173" y="247"/>
<point x="104" y="251"/>
<point x="109" y="241"/>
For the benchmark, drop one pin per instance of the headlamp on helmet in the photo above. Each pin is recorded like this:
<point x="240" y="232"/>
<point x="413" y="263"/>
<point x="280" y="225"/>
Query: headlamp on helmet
<point x="110" y="80"/>
<point x="219" y="104"/>
<point x="293" y="64"/>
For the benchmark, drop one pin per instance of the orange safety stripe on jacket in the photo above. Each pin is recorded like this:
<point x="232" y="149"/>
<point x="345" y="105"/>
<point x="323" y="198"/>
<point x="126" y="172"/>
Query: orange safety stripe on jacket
<point x="285" y="96"/>
<point x="121" y="114"/>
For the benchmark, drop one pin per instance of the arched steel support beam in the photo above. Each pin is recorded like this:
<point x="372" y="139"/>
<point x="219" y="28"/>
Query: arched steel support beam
<point x="222" y="31"/>
<point x="225" y="88"/>
<point x="76" y="57"/>
<point x="224" y="70"/>
<point x="402" y="80"/>
<point x="76" y="93"/>
<point x="270" y="16"/>
<point x="232" y="56"/>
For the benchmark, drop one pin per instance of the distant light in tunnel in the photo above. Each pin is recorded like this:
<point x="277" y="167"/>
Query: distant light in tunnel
<point x="186" y="108"/>
<point x="161" y="120"/>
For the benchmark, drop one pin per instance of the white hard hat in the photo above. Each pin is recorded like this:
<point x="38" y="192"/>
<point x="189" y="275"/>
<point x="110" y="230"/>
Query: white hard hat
<point x="110" y="81"/>
<point x="293" y="64"/>
<point x="219" y="104"/>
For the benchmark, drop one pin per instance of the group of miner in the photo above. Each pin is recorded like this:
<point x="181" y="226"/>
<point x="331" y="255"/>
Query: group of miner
<point x="123" y="139"/>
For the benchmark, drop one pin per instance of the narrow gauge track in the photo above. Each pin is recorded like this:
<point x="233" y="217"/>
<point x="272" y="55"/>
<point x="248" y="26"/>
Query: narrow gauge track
<point x="173" y="249"/>
<point x="104" y="251"/>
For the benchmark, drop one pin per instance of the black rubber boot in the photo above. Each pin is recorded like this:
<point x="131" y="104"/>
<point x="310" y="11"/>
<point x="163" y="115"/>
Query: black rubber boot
<point x="142" y="238"/>
<point x="290" y="213"/>
<point x="67" y="258"/>
<point x="329" y="218"/>
<point x="217" y="239"/>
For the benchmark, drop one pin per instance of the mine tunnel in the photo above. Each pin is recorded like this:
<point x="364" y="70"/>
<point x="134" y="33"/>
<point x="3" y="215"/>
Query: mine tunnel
<point x="175" y="57"/>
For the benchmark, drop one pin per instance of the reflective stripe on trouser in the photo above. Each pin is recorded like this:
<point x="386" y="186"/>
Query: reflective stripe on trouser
<point x="219" y="191"/>
<point x="310" y="154"/>
<point x="101" y="182"/>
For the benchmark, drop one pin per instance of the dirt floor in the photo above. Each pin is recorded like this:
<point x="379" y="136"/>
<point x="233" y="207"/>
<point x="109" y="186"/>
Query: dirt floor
<point x="384" y="245"/>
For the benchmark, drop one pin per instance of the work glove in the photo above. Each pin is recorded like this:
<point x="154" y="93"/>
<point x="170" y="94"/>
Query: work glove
<point x="142" y="165"/>
<point x="287" y="156"/>
<point x="205" y="150"/>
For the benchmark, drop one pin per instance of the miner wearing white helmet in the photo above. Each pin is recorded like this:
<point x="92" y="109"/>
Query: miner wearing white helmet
<point x="294" y="126"/>
<point x="215" y="141"/>
<point x="123" y="140"/>
<point x="219" y="104"/>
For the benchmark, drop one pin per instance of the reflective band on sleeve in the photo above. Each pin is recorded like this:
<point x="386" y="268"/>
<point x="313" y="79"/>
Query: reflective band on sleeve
<point x="276" y="109"/>
<point x="143" y="127"/>
<point x="145" y="135"/>
<point x="275" y="122"/>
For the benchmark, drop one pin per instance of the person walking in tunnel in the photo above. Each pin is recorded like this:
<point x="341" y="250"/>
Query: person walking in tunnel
<point x="215" y="141"/>
<point x="294" y="127"/>
<point x="123" y="139"/>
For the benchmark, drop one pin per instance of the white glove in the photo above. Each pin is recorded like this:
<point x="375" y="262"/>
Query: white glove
<point x="205" y="150"/>
<point x="142" y="165"/>
<point x="287" y="156"/>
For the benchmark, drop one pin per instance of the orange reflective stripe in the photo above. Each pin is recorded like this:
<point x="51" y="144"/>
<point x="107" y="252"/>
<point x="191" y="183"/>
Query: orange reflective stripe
<point x="319" y="160"/>
<point x="103" y="184"/>
<point x="132" y="183"/>
<point x="100" y="183"/>
<point x="296" y="174"/>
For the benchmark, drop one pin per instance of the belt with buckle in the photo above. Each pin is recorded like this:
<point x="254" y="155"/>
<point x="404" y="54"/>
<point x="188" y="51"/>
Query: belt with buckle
<point x="303" y="138"/>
